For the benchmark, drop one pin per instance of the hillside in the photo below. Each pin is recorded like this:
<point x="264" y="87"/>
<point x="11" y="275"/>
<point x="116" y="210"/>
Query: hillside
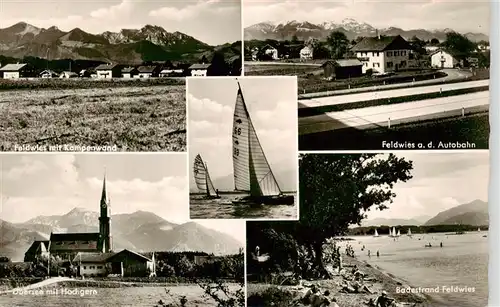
<point x="473" y="213"/>
<point x="150" y="43"/>
<point x="140" y="231"/>
<point x="391" y="222"/>
<point x="352" y="28"/>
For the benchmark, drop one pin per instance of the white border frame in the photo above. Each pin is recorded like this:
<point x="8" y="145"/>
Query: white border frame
<point x="296" y="143"/>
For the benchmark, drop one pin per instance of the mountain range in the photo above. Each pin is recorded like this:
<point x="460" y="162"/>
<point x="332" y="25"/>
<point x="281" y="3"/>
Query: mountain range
<point x="140" y="231"/>
<point x="474" y="213"/>
<point x="304" y="30"/>
<point x="150" y="43"/>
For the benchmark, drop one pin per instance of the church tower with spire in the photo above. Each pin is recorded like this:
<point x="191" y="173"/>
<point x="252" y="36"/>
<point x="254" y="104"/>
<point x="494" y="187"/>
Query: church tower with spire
<point x="105" y="221"/>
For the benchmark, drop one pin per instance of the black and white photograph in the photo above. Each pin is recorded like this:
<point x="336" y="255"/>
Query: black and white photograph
<point x="242" y="135"/>
<point x="111" y="230"/>
<point x="381" y="230"/>
<point x="83" y="76"/>
<point x="378" y="75"/>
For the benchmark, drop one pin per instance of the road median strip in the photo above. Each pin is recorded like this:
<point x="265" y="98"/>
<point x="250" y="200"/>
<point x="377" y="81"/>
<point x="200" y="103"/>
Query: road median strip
<point x="312" y="111"/>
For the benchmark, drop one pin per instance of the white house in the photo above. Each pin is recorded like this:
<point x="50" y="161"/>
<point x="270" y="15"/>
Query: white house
<point x="199" y="70"/>
<point x="129" y="72"/>
<point x="13" y="71"/>
<point x="444" y="59"/>
<point x="68" y="75"/>
<point x="306" y="53"/>
<point x="47" y="74"/>
<point x="271" y="51"/>
<point x="107" y="71"/>
<point x="383" y="54"/>
<point x="92" y="264"/>
<point x="168" y="72"/>
<point x="148" y="71"/>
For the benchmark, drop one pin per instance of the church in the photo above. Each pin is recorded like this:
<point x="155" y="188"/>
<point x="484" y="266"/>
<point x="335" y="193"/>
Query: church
<point x="92" y="252"/>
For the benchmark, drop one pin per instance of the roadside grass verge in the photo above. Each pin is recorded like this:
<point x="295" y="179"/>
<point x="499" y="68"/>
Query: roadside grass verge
<point x="473" y="128"/>
<point x="304" y="112"/>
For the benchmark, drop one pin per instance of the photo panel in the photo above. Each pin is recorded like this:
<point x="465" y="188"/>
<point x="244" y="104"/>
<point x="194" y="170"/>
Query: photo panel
<point x="82" y="229"/>
<point x="110" y="76"/>
<point x="242" y="135"/>
<point x="388" y="229"/>
<point x="378" y="75"/>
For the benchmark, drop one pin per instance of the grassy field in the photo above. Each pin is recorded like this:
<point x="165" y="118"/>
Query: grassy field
<point x="473" y="129"/>
<point x="132" y="118"/>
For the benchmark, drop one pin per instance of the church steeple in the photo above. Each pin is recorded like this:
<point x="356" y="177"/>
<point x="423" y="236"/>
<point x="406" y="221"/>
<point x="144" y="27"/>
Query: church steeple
<point x="104" y="220"/>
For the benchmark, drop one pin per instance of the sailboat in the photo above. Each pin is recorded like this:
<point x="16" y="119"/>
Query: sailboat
<point x="252" y="173"/>
<point x="409" y="232"/>
<point x="202" y="179"/>
<point x="399" y="234"/>
<point x="376" y="233"/>
<point x="479" y="229"/>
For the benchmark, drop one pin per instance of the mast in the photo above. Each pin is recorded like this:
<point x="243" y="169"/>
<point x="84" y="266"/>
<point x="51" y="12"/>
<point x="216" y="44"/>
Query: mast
<point x="206" y="179"/>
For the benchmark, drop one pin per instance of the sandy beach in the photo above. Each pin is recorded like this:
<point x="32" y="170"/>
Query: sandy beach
<point x="375" y="279"/>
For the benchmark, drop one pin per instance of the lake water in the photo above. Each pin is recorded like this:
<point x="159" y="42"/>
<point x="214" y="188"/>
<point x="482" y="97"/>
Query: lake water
<point x="223" y="208"/>
<point x="114" y="297"/>
<point x="462" y="261"/>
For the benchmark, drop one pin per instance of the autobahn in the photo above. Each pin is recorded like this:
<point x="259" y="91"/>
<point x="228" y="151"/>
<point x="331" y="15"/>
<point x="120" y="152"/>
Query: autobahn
<point x="341" y="99"/>
<point x="372" y="117"/>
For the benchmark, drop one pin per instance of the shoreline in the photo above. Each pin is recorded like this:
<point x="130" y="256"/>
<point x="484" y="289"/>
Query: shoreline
<point x="376" y="279"/>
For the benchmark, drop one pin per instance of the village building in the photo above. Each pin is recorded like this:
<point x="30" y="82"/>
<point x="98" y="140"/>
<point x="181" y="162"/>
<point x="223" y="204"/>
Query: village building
<point x="129" y="72"/>
<point x="270" y="51"/>
<point x="148" y="72"/>
<point x="14" y="71"/>
<point x="431" y="49"/>
<point x="255" y="54"/>
<point x="383" y="54"/>
<point x="306" y="53"/>
<point x="92" y="252"/>
<point x="171" y="72"/>
<point x="342" y="69"/>
<point x="108" y="71"/>
<point x="68" y="75"/>
<point x="47" y="74"/>
<point x="85" y="73"/>
<point x="445" y="59"/>
<point x="200" y="70"/>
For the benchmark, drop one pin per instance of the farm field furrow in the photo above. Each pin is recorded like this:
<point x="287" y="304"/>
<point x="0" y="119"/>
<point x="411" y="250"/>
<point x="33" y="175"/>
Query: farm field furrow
<point x="132" y="118"/>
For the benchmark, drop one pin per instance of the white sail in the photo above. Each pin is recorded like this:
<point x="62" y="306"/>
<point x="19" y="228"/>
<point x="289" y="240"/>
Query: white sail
<point x="376" y="233"/>
<point x="393" y="231"/>
<point x="409" y="231"/>
<point x="479" y="229"/>
<point x="202" y="178"/>
<point x="252" y="172"/>
<point x="399" y="233"/>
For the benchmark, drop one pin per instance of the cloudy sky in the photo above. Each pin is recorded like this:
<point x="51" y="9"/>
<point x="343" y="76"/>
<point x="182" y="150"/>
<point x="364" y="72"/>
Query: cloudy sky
<point x="461" y="16"/>
<point x="33" y="185"/>
<point x="211" y="21"/>
<point x="272" y="104"/>
<point x="440" y="181"/>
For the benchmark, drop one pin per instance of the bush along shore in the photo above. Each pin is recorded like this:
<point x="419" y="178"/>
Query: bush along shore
<point x="350" y="283"/>
<point x="304" y="112"/>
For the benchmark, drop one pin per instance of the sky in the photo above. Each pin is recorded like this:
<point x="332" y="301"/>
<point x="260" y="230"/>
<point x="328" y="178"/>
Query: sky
<point x="272" y="104"/>
<point x="214" y="22"/>
<point x="54" y="184"/>
<point x="461" y="16"/>
<point x="440" y="181"/>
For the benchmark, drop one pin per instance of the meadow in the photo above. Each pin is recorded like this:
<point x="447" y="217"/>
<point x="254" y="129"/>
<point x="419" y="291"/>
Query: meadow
<point x="132" y="116"/>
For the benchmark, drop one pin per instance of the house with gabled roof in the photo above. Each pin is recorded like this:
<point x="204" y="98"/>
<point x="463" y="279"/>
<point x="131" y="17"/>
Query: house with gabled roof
<point x="47" y="74"/>
<point x="148" y="71"/>
<point x="383" y="54"/>
<point x="108" y="71"/>
<point x="442" y="58"/>
<point x="129" y="72"/>
<point x="342" y="69"/>
<point x="200" y="70"/>
<point x="14" y="71"/>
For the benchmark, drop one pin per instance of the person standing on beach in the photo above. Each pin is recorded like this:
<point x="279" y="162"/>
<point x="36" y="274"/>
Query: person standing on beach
<point x="369" y="254"/>
<point x="378" y="254"/>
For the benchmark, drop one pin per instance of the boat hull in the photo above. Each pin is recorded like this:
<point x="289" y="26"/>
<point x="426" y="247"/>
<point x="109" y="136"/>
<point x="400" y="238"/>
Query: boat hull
<point x="211" y="197"/>
<point x="265" y="200"/>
